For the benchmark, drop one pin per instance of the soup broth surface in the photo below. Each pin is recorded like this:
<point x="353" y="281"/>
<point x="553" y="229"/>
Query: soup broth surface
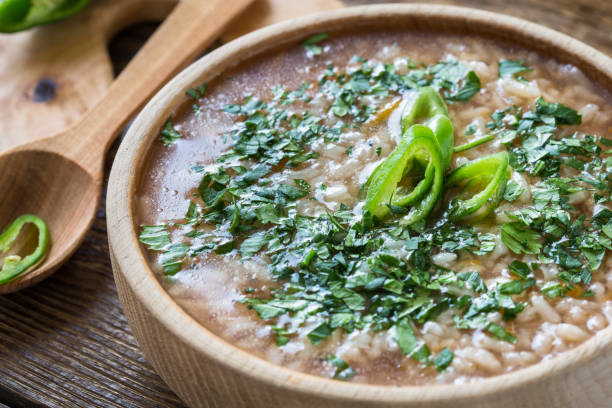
<point x="561" y="299"/>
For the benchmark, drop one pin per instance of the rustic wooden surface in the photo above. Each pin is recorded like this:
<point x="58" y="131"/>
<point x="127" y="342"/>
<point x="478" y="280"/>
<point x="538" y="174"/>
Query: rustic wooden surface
<point x="68" y="167"/>
<point x="65" y="342"/>
<point x="50" y="76"/>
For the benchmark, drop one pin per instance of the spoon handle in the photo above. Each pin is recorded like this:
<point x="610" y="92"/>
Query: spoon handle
<point x="188" y="30"/>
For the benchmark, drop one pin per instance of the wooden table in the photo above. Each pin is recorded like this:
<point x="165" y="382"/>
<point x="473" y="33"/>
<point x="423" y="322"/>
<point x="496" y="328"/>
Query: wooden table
<point x="66" y="342"/>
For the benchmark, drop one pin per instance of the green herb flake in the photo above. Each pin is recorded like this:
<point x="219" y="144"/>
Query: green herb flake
<point x="443" y="359"/>
<point x="512" y="67"/>
<point x="172" y="258"/>
<point x="520" y="239"/>
<point x="554" y="290"/>
<point x="196" y="93"/>
<point x="513" y="191"/>
<point x="169" y="135"/>
<point x="311" y="43"/>
<point x="156" y="237"/>
<point x="500" y="333"/>
<point x="563" y="114"/>
<point x="470" y="129"/>
<point x="320" y="333"/>
<point x="520" y="269"/>
<point x="253" y="244"/>
<point x="343" y="371"/>
<point x="408" y="342"/>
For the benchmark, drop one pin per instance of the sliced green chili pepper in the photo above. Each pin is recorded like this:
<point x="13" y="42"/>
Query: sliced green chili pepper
<point x="13" y="264"/>
<point x="473" y="144"/>
<point x="17" y="15"/>
<point x="412" y="174"/>
<point x="410" y="179"/>
<point x="484" y="181"/>
<point x="427" y="104"/>
<point x="417" y="149"/>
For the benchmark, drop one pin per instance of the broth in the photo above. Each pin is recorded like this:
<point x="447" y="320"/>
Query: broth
<point x="211" y="286"/>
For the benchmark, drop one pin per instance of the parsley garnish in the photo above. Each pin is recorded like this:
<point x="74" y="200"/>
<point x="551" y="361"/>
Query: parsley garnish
<point x="169" y="135"/>
<point x="343" y="370"/>
<point x="443" y="359"/>
<point x="311" y="43"/>
<point x="197" y="93"/>
<point x="513" y="191"/>
<point x="512" y="67"/>
<point x="520" y="239"/>
<point x="156" y="237"/>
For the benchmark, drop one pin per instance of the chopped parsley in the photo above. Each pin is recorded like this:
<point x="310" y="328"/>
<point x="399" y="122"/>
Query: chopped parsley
<point x="513" y="191"/>
<point x="311" y="43"/>
<point x="470" y="129"/>
<point x="198" y="92"/>
<point x="512" y="67"/>
<point x="156" y="237"/>
<point x="443" y="359"/>
<point x="169" y="135"/>
<point x="343" y="370"/>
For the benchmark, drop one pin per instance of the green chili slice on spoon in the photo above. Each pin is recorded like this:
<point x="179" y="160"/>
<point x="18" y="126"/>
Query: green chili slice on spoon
<point x="15" y="265"/>
<point x="482" y="180"/>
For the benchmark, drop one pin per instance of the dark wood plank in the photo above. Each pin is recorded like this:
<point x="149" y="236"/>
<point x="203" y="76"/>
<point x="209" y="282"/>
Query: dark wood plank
<point x="66" y="343"/>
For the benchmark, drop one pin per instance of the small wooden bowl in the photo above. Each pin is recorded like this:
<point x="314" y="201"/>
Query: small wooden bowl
<point x="204" y="370"/>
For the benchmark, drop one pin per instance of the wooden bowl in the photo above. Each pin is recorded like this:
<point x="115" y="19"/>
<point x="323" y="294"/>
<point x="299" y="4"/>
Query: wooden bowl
<point x="205" y="370"/>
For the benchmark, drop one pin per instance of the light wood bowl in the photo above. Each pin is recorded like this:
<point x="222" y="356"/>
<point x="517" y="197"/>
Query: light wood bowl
<point x="206" y="371"/>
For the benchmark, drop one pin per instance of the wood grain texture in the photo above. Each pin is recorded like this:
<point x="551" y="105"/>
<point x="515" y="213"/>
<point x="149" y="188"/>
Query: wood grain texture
<point x="78" y="309"/>
<point x="59" y="178"/>
<point x="51" y="75"/>
<point x="207" y="371"/>
<point x="263" y="13"/>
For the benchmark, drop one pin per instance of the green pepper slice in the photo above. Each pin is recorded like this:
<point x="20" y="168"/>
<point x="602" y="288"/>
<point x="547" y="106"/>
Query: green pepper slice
<point x="427" y="104"/>
<point x="484" y="181"/>
<point x="412" y="174"/>
<point x="410" y="178"/>
<point x="15" y="265"/>
<point x="418" y="147"/>
<point x="18" y="15"/>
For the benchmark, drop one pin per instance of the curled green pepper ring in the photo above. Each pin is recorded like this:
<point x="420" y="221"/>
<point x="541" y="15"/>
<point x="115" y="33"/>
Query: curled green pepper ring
<point x="482" y="180"/>
<point x="410" y="179"/>
<point x="427" y="104"/>
<point x="392" y="184"/>
<point x="17" y="15"/>
<point x="13" y="264"/>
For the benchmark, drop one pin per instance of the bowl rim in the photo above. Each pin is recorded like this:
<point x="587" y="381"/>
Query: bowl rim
<point x="126" y="175"/>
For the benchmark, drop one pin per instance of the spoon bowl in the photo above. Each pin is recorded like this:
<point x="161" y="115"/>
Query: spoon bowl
<point x="60" y="178"/>
<point x="56" y="189"/>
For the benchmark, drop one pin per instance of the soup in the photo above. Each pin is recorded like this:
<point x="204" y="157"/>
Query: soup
<point x="388" y="208"/>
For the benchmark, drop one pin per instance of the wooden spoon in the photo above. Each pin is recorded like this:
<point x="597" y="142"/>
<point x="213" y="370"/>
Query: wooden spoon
<point x="60" y="178"/>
